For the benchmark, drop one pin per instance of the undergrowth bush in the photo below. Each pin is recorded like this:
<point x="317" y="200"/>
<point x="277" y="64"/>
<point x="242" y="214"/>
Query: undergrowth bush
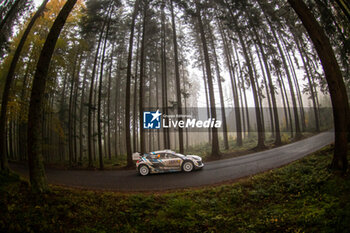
<point x="301" y="197"/>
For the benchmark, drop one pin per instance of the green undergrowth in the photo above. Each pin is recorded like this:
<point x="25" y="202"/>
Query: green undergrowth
<point x="301" y="197"/>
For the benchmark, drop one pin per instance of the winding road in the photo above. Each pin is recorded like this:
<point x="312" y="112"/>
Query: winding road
<point x="213" y="173"/>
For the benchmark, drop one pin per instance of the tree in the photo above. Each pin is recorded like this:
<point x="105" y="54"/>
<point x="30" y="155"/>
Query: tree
<point x="142" y="76"/>
<point x="71" y="153"/>
<point x="269" y="86"/>
<point x="233" y="84"/>
<point x="135" y="90"/>
<point x="335" y="82"/>
<point x="305" y="60"/>
<point x="35" y="157"/>
<point x="90" y="124"/>
<point x="238" y="30"/>
<point x="128" y="84"/>
<point x="99" y="117"/>
<point x="166" y="134"/>
<point x="9" y="80"/>
<point x="81" y="119"/>
<point x="285" y="66"/>
<point x="215" y="151"/>
<point x="219" y="80"/>
<point x="177" y="77"/>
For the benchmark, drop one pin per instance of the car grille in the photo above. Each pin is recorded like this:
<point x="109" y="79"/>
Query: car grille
<point x="199" y="163"/>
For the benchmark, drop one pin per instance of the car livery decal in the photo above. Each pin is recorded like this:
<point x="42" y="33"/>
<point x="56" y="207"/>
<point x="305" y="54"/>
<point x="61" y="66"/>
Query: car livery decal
<point x="169" y="164"/>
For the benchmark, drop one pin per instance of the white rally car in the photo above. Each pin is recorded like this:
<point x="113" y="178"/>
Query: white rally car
<point x="166" y="161"/>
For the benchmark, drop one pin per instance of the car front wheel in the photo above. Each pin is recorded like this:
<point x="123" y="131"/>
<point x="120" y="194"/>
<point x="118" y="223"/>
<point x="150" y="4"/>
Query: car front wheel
<point x="143" y="170"/>
<point x="187" y="166"/>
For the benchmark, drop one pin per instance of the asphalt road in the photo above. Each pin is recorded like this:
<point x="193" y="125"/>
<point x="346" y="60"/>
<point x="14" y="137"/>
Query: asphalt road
<point x="213" y="172"/>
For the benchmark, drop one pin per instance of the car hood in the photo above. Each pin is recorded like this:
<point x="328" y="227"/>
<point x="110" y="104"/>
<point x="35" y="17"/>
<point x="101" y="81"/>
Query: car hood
<point x="196" y="157"/>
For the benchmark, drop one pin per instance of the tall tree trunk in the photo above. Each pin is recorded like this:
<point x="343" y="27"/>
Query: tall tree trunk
<point x="117" y="106"/>
<point x="90" y="137"/>
<point x="227" y="53"/>
<point x="9" y="80"/>
<point x="158" y="75"/>
<point x="218" y="76"/>
<point x="298" y="134"/>
<point x="252" y="81"/>
<point x="36" y="167"/>
<point x="215" y="151"/>
<point x="75" y="108"/>
<point x="22" y="134"/>
<point x="99" y="108"/>
<point x="206" y="92"/>
<point x="127" y="89"/>
<point x="295" y="79"/>
<point x="142" y="74"/>
<point x="244" y="96"/>
<point x="94" y="125"/>
<point x="283" y="102"/>
<point x="311" y="86"/>
<point x="259" y="93"/>
<point x="335" y="82"/>
<point x="314" y="84"/>
<point x="50" y="128"/>
<point x="166" y="134"/>
<point x="285" y="99"/>
<point x="184" y="82"/>
<point x="150" y="75"/>
<point x="135" y="90"/>
<point x="70" y="109"/>
<point x="81" y="129"/>
<point x="105" y="140"/>
<point x="177" y="79"/>
<point x="271" y="88"/>
<point x="10" y="140"/>
<point x="267" y="91"/>
<point x="109" y="104"/>
<point x="61" y="141"/>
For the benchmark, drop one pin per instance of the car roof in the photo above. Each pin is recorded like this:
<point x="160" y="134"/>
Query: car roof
<point x="163" y="151"/>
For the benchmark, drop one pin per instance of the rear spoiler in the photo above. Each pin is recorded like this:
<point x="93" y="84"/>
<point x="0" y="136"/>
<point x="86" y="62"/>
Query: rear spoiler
<point x="136" y="156"/>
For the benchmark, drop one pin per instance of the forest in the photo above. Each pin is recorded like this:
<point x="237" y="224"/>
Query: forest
<point x="76" y="77"/>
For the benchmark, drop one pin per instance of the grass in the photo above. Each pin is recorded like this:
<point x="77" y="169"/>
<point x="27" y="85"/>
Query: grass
<point x="301" y="197"/>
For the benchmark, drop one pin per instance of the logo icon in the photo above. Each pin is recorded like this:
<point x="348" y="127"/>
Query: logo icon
<point x="151" y="120"/>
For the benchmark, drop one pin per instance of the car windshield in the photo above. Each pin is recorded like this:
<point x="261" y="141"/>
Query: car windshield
<point x="151" y="155"/>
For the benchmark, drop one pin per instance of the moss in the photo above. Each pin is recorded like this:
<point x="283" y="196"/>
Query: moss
<point x="303" y="196"/>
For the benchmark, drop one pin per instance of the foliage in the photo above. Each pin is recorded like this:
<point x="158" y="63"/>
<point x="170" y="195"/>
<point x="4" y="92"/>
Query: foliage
<point x="303" y="196"/>
<point x="11" y="14"/>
